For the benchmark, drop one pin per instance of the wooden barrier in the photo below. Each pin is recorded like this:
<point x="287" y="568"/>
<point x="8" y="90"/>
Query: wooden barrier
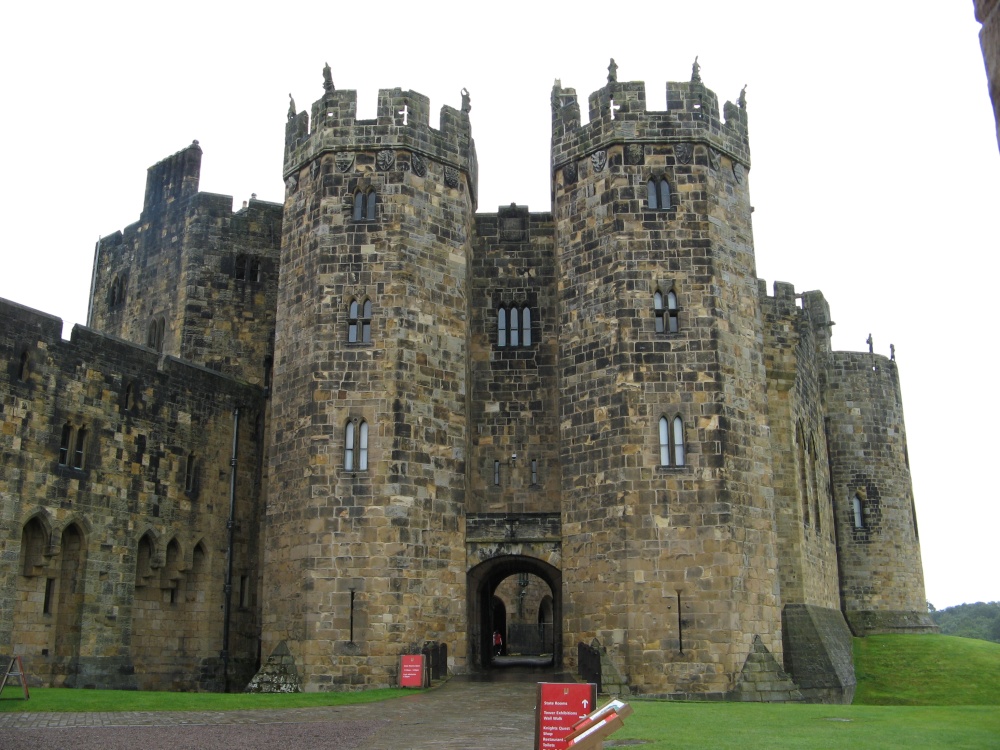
<point x="15" y="669"/>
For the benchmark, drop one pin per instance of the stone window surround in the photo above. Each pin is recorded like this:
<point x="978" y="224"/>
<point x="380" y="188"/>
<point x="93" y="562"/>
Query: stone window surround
<point x="356" y="445"/>
<point x="669" y="445"/>
<point x="73" y="445"/>
<point x="514" y="318"/>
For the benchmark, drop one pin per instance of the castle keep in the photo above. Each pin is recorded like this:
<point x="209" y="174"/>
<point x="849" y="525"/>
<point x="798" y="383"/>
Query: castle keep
<point x="295" y="442"/>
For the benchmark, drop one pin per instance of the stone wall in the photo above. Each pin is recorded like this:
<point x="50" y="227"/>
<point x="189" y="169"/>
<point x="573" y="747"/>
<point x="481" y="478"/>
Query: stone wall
<point x="795" y="358"/>
<point x="114" y="481"/>
<point x="513" y="409"/>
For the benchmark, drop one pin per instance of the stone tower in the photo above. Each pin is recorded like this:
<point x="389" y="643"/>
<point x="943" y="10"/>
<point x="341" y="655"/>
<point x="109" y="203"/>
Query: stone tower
<point x="192" y="278"/>
<point x="878" y="542"/>
<point x="668" y="520"/>
<point x="364" y="527"/>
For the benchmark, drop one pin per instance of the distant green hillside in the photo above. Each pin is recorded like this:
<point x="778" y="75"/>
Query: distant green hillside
<point x="980" y="620"/>
<point x="926" y="670"/>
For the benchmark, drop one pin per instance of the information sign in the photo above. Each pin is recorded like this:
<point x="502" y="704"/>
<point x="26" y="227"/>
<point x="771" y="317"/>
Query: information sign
<point x="411" y="670"/>
<point x="558" y="707"/>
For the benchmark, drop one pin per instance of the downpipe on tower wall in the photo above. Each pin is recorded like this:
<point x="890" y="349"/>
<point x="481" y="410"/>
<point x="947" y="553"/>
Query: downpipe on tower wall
<point x="227" y="587"/>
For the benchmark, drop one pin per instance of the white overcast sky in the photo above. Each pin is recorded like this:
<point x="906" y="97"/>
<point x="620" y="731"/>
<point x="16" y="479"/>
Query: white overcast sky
<point x="875" y="160"/>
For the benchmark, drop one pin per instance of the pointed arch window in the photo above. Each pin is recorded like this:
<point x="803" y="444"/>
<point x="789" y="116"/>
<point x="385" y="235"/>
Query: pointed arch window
<point x="356" y="446"/>
<point x="672" y="441"/>
<point x="363" y="446"/>
<point x="364" y="205"/>
<point x="72" y="446"/>
<point x="154" y="334"/>
<point x="359" y="322"/>
<point x="23" y="369"/>
<point x="658" y="194"/>
<point x="81" y="444"/>
<point x="65" y="442"/>
<point x="665" y="312"/>
<point x="116" y="293"/>
<point x="514" y="325"/>
<point x="859" y="511"/>
<point x="130" y="399"/>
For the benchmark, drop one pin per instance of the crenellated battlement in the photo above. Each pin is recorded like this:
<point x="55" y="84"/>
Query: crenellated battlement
<point x="402" y="122"/>
<point x="811" y="306"/>
<point x="618" y="114"/>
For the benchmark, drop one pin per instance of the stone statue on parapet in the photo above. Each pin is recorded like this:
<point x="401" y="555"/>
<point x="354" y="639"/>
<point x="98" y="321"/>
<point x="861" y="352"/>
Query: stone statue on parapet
<point x="466" y="101"/>
<point x="695" y="71"/>
<point x="742" y="101"/>
<point x="612" y="72"/>
<point x="327" y="79"/>
<point x="871" y="346"/>
<point x="291" y="108"/>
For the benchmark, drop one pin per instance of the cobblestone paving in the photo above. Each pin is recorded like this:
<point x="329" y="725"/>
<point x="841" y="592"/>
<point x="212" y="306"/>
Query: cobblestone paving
<point x="462" y="714"/>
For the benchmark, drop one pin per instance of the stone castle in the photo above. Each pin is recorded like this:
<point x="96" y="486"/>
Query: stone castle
<point x="297" y="441"/>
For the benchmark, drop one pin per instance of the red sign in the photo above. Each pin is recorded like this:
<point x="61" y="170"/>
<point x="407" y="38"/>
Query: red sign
<point x="558" y="708"/>
<point x="411" y="670"/>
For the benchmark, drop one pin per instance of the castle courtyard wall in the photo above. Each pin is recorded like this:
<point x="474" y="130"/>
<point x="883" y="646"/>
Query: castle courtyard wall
<point x="88" y="608"/>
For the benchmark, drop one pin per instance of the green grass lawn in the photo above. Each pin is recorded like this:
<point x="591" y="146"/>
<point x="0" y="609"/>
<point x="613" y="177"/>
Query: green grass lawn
<point x="926" y="670"/>
<point x="739" y="726"/>
<point x="61" y="699"/>
<point x="914" y="691"/>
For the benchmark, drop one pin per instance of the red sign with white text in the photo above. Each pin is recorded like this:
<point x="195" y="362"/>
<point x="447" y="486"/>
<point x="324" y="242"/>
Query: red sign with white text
<point x="411" y="670"/>
<point x="559" y="706"/>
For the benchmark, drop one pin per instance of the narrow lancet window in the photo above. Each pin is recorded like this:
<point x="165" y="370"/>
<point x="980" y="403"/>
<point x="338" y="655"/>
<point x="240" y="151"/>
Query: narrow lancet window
<point x="349" y="447"/>
<point x="672" y="442"/>
<point x="363" y="446"/>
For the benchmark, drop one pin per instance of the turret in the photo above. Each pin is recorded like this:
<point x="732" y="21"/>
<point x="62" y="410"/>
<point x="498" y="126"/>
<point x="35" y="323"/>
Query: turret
<point x="661" y="365"/>
<point x="369" y="401"/>
<point x="878" y="541"/>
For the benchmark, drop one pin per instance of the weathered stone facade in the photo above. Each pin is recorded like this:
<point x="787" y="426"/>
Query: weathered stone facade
<point x="115" y="487"/>
<point x="593" y="422"/>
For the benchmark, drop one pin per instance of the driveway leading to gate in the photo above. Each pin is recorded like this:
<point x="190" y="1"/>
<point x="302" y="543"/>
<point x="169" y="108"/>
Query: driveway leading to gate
<point x="495" y="711"/>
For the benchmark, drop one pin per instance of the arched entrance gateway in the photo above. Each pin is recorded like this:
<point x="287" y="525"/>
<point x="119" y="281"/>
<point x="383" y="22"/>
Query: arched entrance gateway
<point x="521" y="597"/>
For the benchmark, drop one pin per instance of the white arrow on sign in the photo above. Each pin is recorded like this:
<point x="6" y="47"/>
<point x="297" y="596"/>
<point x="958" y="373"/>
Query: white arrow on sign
<point x="585" y="703"/>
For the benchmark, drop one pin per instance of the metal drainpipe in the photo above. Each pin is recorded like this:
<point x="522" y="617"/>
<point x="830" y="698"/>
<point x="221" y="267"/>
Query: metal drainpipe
<point x="231" y="526"/>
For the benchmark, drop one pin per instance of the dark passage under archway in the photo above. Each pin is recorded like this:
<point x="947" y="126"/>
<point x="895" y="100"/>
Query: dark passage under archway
<point x="488" y="613"/>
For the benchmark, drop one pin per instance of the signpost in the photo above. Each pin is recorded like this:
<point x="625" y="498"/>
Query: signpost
<point x="558" y="707"/>
<point x="411" y="671"/>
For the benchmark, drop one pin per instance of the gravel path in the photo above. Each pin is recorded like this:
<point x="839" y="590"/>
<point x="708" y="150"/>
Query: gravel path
<point x="462" y="714"/>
